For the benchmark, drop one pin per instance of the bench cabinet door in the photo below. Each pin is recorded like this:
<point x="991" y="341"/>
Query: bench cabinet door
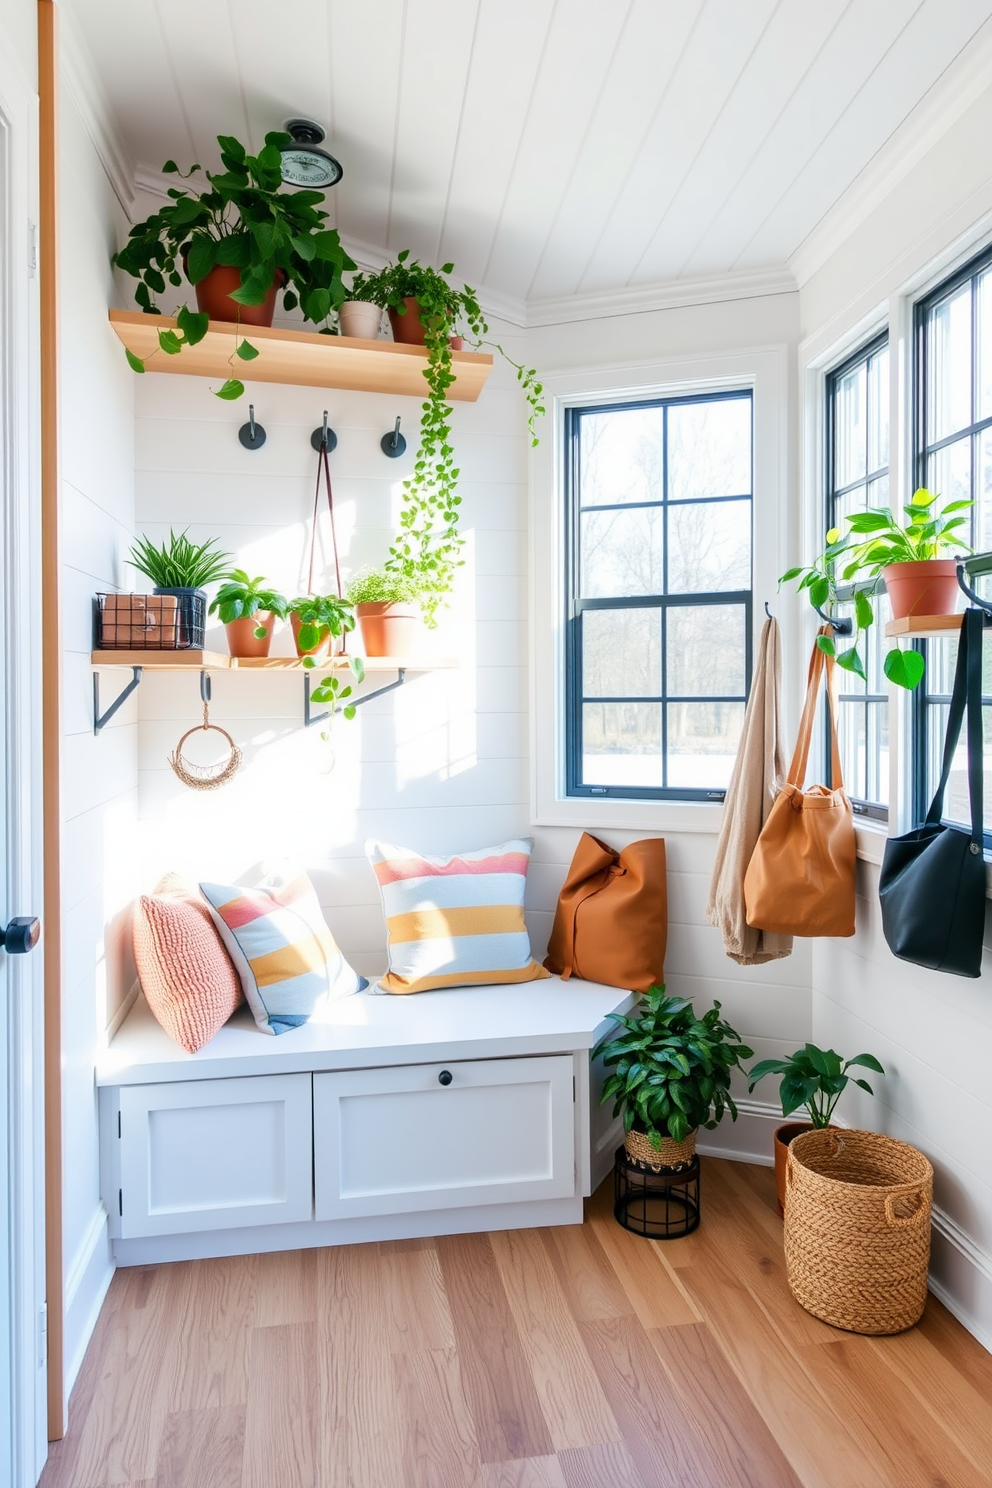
<point x="442" y="1136"/>
<point x="215" y="1154"/>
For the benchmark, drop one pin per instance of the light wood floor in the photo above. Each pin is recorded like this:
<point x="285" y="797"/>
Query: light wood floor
<point x="580" y="1357"/>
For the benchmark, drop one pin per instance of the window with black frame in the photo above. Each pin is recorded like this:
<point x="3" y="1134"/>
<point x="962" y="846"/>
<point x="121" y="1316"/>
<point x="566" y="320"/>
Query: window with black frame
<point x="858" y="480"/>
<point x="954" y="458"/>
<point x="658" y="637"/>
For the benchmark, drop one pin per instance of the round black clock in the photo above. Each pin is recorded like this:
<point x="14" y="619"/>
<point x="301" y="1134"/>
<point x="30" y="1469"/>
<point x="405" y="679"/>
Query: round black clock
<point x="303" y="164"/>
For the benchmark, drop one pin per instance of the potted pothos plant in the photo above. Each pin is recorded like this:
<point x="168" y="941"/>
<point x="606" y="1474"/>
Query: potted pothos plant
<point x="316" y="620"/>
<point x="240" y="240"/>
<point x="426" y="308"/>
<point x="247" y="608"/>
<point x="387" y="609"/>
<point x="671" y="1072"/>
<point x="813" y="1079"/>
<point x="182" y="568"/>
<point x="878" y="547"/>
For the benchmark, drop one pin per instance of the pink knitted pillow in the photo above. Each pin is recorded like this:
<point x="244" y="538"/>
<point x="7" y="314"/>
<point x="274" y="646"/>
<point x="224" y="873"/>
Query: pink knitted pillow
<point x="188" y="979"/>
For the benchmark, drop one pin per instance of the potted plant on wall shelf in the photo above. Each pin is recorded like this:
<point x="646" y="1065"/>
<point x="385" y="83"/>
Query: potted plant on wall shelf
<point x="672" y="1076"/>
<point x="240" y="240"/>
<point x="387" y="611"/>
<point x="815" y="1079"/>
<point x="182" y="568"/>
<point x="427" y="309"/>
<point x="877" y="547"/>
<point x="317" y="619"/>
<point x="247" y="608"/>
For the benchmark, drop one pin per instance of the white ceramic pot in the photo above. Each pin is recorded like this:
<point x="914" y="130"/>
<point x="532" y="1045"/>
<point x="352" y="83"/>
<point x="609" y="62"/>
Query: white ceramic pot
<point x="360" y="319"/>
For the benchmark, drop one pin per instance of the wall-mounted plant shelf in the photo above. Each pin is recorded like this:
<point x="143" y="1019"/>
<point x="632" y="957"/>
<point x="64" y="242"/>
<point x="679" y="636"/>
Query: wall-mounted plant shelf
<point x="919" y="626"/>
<point x="302" y="358"/>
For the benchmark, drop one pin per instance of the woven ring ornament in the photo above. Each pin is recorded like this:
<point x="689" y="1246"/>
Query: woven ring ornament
<point x="206" y="777"/>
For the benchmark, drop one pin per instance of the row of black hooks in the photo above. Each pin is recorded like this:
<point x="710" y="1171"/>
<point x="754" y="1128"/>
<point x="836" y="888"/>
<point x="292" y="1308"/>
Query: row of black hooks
<point x="252" y="436"/>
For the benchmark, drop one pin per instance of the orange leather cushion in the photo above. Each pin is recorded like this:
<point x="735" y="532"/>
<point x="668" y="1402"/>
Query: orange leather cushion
<point x="188" y="979"/>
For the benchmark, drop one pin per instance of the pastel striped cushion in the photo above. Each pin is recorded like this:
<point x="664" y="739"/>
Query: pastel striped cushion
<point x="456" y="921"/>
<point x="285" y="955"/>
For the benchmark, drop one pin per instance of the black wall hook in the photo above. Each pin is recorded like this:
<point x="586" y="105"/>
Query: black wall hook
<point x="393" y="444"/>
<point x="252" y="435"/>
<point x="768" y="611"/>
<point x="323" y="437"/>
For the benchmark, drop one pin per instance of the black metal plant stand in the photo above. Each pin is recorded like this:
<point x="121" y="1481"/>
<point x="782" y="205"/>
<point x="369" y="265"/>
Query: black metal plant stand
<point x="660" y="1206"/>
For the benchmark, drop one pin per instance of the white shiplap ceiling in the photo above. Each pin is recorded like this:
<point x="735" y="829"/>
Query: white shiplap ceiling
<point x="551" y="148"/>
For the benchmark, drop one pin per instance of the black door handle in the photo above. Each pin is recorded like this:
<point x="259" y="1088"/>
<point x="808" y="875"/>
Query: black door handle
<point x="22" y="934"/>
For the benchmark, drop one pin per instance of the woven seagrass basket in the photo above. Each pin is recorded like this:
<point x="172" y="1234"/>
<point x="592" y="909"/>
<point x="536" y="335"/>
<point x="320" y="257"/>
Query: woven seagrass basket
<point x="670" y="1157"/>
<point x="857" y="1229"/>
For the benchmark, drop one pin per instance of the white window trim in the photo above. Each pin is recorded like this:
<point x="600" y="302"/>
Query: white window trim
<point x="765" y="372"/>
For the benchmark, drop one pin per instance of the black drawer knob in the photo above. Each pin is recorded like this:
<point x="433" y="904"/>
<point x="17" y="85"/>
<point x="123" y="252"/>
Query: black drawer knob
<point x="21" y="935"/>
<point x="445" y="1077"/>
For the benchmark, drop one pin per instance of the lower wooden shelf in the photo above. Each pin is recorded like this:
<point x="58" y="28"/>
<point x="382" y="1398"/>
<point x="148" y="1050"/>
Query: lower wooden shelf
<point x="217" y="661"/>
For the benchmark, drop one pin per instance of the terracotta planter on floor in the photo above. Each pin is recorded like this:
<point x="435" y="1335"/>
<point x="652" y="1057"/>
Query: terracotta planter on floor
<point x="388" y="629"/>
<point x="323" y="646"/>
<point x="783" y="1136"/>
<point x="929" y="587"/>
<point x="241" y="637"/>
<point x="213" y="297"/>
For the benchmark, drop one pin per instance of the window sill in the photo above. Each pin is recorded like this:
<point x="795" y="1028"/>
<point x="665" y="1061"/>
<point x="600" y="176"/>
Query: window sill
<point x="871" y="838"/>
<point x="631" y="816"/>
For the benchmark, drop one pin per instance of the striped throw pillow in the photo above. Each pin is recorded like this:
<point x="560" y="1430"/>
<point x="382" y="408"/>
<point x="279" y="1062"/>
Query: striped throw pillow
<point x="456" y="921"/>
<point x="285" y="955"/>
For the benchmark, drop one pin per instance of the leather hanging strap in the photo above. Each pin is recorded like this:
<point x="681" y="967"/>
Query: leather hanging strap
<point x="323" y="472"/>
<point x="967" y="690"/>
<point x="797" y="770"/>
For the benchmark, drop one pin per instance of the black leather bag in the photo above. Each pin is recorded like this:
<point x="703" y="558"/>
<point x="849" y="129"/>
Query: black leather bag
<point x="932" y="883"/>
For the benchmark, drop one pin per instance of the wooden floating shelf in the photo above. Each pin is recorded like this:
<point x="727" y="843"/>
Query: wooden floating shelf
<point x="217" y="661"/>
<point x="924" y="625"/>
<point x="302" y="358"/>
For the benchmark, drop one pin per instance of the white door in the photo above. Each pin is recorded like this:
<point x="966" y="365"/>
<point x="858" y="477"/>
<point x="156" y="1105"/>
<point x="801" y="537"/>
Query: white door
<point x="22" y="1359"/>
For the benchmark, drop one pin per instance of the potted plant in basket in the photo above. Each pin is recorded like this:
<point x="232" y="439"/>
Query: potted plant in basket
<point x="247" y="608"/>
<point x="427" y="309"/>
<point x="387" y="610"/>
<point x="878" y="547"/>
<point x="672" y="1076"/>
<point x="182" y="568"/>
<point x="316" y="619"/>
<point x="240" y="240"/>
<point x="812" y="1078"/>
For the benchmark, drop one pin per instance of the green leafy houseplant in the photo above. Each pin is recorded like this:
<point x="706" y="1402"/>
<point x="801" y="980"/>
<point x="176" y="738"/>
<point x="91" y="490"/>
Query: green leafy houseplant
<point x="860" y="556"/>
<point x="673" y="1068"/>
<point x="245" y="220"/>
<point x="381" y="586"/>
<point x="428" y="545"/>
<point x="814" y="1078"/>
<point x="179" y="563"/>
<point x="240" y="597"/>
<point x="320" y="615"/>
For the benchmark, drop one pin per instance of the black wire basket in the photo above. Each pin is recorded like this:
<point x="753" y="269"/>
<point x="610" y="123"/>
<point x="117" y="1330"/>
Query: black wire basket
<point x="173" y="620"/>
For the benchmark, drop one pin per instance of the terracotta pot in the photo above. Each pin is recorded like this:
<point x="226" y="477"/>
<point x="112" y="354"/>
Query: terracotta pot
<point x="408" y="329"/>
<point x="783" y="1136"/>
<point x="323" y="646"/>
<point x="388" y="629"/>
<point x="456" y="342"/>
<point x="241" y="637"/>
<point x="928" y="587"/>
<point x="213" y="297"/>
<point x="360" y="319"/>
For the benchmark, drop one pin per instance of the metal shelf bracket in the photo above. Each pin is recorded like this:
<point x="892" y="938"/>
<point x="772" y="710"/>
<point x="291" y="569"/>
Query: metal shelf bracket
<point x="310" y="718"/>
<point x="100" y="720"/>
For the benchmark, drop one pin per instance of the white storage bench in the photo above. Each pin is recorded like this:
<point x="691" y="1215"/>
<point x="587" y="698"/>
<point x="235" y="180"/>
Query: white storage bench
<point x="448" y="1111"/>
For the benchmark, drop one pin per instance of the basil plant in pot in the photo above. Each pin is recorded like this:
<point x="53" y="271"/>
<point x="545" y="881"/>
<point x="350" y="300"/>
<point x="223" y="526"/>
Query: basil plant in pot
<point x="814" y="1079"/>
<point x="182" y="568"/>
<point x="426" y="308"/>
<point x="671" y="1075"/>
<point x="248" y="609"/>
<point x="878" y="547"/>
<point x="241" y="240"/>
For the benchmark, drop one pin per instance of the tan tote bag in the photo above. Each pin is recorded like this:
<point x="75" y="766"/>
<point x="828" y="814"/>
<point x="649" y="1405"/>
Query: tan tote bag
<point x="801" y="877"/>
<point x="611" y="924"/>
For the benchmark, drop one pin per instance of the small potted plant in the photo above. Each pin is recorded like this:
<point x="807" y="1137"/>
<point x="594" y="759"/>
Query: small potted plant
<point x="672" y="1076"/>
<point x="812" y="1078"/>
<point x="427" y="309"/>
<point x="247" y="608"/>
<point x="877" y="547"/>
<point x="360" y="315"/>
<point x="182" y="568"/>
<point x="240" y="240"/>
<point x="387" y="611"/>
<point x="316" y="619"/>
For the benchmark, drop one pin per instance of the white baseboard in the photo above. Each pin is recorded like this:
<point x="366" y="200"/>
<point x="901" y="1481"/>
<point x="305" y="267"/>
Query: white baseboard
<point x="748" y="1139"/>
<point x="961" y="1277"/>
<point x="88" y="1278"/>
